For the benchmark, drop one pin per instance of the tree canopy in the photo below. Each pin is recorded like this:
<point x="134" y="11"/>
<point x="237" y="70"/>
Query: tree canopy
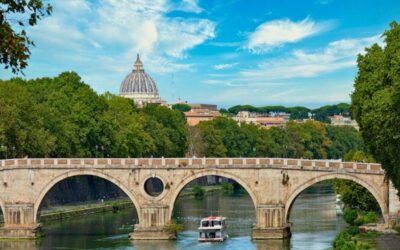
<point x="64" y="117"/>
<point x="183" y="107"/>
<point x="298" y="112"/>
<point x="376" y="101"/>
<point x="15" y="16"/>
<point x="223" y="137"/>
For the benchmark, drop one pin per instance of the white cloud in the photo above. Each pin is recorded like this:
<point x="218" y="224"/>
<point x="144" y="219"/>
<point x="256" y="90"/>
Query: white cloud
<point x="94" y="31"/>
<point x="292" y="79"/>
<point x="189" y="6"/>
<point x="276" y="33"/>
<point x="337" y="55"/>
<point x="224" y="66"/>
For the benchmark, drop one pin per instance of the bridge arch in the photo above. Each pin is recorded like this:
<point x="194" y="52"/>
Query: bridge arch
<point x="204" y="173"/>
<point x="73" y="173"/>
<point x="299" y="189"/>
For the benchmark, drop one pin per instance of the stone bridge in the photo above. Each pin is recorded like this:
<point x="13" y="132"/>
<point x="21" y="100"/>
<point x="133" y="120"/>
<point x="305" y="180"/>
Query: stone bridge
<point x="273" y="185"/>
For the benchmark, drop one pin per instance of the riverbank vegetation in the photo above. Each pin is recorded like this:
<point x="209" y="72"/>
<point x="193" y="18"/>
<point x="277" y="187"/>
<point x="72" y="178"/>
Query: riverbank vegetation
<point x="350" y="237"/>
<point x="376" y="101"/>
<point x="198" y="191"/>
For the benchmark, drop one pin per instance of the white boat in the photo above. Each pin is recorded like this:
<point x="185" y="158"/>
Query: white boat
<point x="212" y="229"/>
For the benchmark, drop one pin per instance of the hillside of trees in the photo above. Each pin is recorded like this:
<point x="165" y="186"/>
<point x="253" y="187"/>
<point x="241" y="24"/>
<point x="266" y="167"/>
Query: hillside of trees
<point x="298" y="112"/>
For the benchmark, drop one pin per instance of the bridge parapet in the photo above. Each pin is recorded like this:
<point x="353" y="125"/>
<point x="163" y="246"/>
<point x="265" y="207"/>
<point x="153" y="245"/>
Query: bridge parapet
<point x="315" y="165"/>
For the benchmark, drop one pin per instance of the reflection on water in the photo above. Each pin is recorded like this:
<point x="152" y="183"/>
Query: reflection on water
<point x="313" y="215"/>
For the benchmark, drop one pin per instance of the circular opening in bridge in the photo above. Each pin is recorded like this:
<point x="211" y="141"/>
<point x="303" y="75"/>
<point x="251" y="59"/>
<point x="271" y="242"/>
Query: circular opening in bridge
<point x="154" y="186"/>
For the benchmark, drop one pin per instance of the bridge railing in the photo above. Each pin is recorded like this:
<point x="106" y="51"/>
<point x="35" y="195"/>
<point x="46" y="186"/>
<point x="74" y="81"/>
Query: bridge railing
<point x="191" y="162"/>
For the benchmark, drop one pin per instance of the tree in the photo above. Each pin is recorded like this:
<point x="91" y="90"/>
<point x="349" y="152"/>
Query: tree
<point x="376" y="101"/>
<point x="14" y="45"/>
<point x="22" y="130"/>
<point x="181" y="107"/>
<point x="167" y="128"/>
<point x="344" y="139"/>
<point x="64" y="117"/>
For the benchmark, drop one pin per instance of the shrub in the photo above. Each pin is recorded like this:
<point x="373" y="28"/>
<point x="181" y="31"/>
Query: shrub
<point x="350" y="215"/>
<point x="198" y="191"/>
<point x="227" y="188"/>
<point x="116" y="207"/>
<point x="173" y="227"/>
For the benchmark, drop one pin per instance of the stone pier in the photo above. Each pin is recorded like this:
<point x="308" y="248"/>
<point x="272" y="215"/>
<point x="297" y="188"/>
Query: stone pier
<point x="271" y="223"/>
<point x="153" y="224"/>
<point x="19" y="222"/>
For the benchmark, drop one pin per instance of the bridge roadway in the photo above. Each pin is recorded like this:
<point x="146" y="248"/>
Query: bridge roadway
<point x="273" y="185"/>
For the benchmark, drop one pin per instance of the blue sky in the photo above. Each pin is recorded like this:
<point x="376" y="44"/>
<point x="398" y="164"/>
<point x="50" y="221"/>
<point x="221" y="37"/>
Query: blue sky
<point x="225" y="52"/>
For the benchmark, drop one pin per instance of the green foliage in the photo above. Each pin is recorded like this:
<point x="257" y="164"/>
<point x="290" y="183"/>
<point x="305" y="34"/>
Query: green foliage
<point x="181" y="107"/>
<point x="322" y="114"/>
<point x="376" y="101"/>
<point x="344" y="139"/>
<point x="355" y="196"/>
<point x="226" y="113"/>
<point x="350" y="215"/>
<point x="64" y="117"/>
<point x="358" y="156"/>
<point x="173" y="227"/>
<point x="198" y="191"/>
<point x="345" y="241"/>
<point x="367" y="217"/>
<point x="222" y="137"/>
<point x="227" y="188"/>
<point x="115" y="207"/>
<point x="14" y="41"/>
<point x="168" y="130"/>
<point x="298" y="112"/>
<point x="357" y="218"/>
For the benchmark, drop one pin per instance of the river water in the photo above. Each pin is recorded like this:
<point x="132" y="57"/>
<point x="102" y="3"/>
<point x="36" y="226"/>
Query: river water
<point x="314" y="218"/>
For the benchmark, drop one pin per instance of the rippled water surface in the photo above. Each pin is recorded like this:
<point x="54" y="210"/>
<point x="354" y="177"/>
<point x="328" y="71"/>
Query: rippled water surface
<point x="313" y="215"/>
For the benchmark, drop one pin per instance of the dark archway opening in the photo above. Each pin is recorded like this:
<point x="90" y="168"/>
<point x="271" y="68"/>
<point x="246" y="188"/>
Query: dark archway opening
<point x="84" y="211"/>
<point x="317" y="213"/>
<point x="1" y="217"/>
<point x="214" y="196"/>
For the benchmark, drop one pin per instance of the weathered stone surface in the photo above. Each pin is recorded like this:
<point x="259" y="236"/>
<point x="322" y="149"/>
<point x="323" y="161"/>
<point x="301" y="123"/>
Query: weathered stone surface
<point x="270" y="233"/>
<point x="261" y="177"/>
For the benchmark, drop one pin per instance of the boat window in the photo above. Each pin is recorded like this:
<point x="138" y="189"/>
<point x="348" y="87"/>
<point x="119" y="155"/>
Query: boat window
<point x="205" y="224"/>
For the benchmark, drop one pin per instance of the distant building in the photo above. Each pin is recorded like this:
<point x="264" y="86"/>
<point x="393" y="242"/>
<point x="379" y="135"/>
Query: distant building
<point x="140" y="87"/>
<point x="339" y="120"/>
<point x="201" y="112"/>
<point x="265" y="120"/>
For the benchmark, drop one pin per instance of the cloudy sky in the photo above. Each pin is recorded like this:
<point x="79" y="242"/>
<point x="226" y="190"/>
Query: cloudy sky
<point x="260" y="52"/>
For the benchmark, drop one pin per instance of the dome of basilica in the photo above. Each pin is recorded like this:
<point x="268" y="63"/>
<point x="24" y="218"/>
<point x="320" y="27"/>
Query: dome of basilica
<point x="139" y="86"/>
